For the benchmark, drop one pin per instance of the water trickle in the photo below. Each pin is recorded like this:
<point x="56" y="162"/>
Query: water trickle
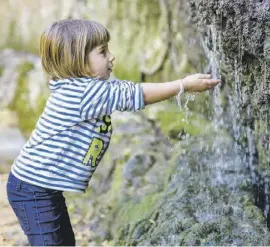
<point x="228" y="165"/>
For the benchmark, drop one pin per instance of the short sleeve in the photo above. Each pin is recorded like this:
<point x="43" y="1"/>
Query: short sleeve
<point x="102" y="98"/>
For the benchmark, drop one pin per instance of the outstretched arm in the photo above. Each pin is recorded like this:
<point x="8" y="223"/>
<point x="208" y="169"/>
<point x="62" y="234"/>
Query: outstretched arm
<point x="155" y="92"/>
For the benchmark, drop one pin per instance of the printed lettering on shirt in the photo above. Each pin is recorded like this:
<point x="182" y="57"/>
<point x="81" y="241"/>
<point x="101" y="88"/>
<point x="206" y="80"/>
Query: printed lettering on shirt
<point x="93" y="152"/>
<point x="97" y="144"/>
<point x="107" y="126"/>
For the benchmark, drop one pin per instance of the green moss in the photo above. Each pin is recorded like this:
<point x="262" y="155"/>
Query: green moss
<point x="190" y="238"/>
<point x="134" y="219"/>
<point x="250" y="80"/>
<point x="27" y="115"/>
<point x="205" y="233"/>
<point x="136" y="211"/>
<point x="253" y="213"/>
<point x="187" y="122"/>
<point x="124" y="73"/>
<point x="260" y="130"/>
<point x="1" y="70"/>
<point x="117" y="178"/>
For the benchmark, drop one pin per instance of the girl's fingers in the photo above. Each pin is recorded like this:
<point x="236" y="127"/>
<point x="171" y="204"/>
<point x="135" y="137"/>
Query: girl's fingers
<point x="204" y="76"/>
<point x="212" y="83"/>
<point x="208" y="76"/>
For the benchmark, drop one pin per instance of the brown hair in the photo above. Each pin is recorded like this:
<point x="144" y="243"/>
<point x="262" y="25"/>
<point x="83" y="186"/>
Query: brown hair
<point x="65" y="44"/>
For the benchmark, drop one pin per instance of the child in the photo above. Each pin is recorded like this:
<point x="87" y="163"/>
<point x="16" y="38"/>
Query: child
<point x="74" y="130"/>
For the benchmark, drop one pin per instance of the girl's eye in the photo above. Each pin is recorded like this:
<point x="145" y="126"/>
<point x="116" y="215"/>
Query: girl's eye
<point x="103" y="52"/>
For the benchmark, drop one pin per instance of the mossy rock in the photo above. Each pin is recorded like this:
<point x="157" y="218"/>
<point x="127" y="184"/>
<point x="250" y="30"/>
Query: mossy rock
<point x="133" y="218"/>
<point x="1" y="70"/>
<point x="138" y="209"/>
<point x="254" y="213"/>
<point x="175" y="123"/>
<point x="125" y="73"/>
<point x="27" y="114"/>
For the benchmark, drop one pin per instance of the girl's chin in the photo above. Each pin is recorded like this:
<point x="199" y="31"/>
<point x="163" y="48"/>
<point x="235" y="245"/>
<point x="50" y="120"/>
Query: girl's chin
<point x="104" y="77"/>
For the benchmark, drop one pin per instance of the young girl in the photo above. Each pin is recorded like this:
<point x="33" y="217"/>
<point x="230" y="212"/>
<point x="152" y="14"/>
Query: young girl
<point x="74" y="130"/>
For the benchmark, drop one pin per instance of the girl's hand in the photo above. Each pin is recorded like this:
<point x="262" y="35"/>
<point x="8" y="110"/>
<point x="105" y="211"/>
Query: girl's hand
<point x="198" y="82"/>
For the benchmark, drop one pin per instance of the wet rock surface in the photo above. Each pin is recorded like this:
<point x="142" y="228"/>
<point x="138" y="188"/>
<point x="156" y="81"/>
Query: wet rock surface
<point x="170" y="177"/>
<point x="235" y="37"/>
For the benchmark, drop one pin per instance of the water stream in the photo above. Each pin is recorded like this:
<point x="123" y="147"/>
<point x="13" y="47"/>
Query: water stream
<point x="234" y="165"/>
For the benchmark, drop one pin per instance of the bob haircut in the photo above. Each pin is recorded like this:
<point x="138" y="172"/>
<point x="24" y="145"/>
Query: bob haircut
<point x="65" y="45"/>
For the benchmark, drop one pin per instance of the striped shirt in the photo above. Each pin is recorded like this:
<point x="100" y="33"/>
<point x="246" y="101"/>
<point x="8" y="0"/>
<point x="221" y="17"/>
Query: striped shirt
<point x="74" y="131"/>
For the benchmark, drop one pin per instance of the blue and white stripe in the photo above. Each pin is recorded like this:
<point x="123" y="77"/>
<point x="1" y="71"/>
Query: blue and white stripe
<point x="53" y="156"/>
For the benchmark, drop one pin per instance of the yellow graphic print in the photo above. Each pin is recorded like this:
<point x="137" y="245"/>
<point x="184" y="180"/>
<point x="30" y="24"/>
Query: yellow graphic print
<point x="93" y="151"/>
<point x="97" y="144"/>
<point x="107" y="126"/>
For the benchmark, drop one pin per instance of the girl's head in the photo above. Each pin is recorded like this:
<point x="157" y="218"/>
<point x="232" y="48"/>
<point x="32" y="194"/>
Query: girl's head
<point x="76" y="48"/>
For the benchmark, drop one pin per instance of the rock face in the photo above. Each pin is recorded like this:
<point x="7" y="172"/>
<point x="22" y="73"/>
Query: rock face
<point x="236" y="39"/>
<point x="24" y="87"/>
<point x="201" y="183"/>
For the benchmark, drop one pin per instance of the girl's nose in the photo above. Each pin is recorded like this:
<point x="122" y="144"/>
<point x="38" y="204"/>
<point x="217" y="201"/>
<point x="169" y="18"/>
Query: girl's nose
<point x="112" y="58"/>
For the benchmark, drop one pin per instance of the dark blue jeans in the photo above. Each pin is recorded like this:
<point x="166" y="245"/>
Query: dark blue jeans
<point x="42" y="213"/>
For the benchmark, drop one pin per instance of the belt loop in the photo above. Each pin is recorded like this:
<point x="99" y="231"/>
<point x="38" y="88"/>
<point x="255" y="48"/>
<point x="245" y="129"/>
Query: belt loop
<point x="18" y="185"/>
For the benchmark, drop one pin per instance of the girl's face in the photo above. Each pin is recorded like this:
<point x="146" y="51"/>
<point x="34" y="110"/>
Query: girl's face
<point x="100" y="62"/>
